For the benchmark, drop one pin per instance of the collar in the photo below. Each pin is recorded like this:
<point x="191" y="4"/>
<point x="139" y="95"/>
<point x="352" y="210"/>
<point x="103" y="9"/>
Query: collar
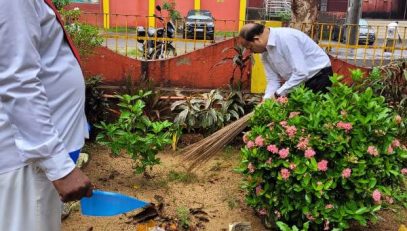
<point x="272" y="38"/>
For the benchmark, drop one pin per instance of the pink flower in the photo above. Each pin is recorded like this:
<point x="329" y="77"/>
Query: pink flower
<point x="293" y="166"/>
<point x="283" y="123"/>
<point x="269" y="161"/>
<point x="376" y="195"/>
<point x="285" y="173"/>
<point x="309" y="153"/>
<point x="259" y="141"/>
<point x="293" y="114"/>
<point x="272" y="148"/>
<point x="258" y="189"/>
<point x="309" y="217"/>
<point x="250" y="144"/>
<point x="329" y="206"/>
<point x="389" y="199"/>
<point x="251" y="167"/>
<point x="245" y="138"/>
<point x="323" y="165"/>
<point x="404" y="171"/>
<point x="282" y="100"/>
<point x="345" y="126"/>
<point x="395" y="143"/>
<point x="263" y="211"/>
<point x="303" y="143"/>
<point x="326" y="225"/>
<point x="277" y="213"/>
<point x="390" y="149"/>
<point x="346" y="172"/>
<point x="291" y="131"/>
<point x="284" y="153"/>
<point x="398" y="119"/>
<point x="372" y="150"/>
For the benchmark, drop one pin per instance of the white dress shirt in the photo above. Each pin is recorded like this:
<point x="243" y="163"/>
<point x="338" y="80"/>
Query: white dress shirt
<point x="291" y="57"/>
<point x="42" y="91"/>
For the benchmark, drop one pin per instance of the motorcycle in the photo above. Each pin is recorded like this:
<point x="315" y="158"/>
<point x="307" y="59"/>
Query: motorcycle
<point x="153" y="48"/>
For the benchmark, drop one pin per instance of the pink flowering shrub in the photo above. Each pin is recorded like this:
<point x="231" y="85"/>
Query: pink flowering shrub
<point x="325" y="160"/>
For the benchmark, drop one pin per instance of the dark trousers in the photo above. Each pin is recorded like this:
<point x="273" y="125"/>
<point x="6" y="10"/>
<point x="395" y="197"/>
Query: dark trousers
<point x="320" y="82"/>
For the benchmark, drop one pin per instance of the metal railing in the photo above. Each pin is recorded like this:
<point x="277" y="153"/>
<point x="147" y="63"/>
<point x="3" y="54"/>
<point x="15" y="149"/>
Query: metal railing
<point x="274" y="7"/>
<point x="372" y="47"/>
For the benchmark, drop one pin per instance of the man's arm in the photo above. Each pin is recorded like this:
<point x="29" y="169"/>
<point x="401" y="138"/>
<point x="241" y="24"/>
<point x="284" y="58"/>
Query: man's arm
<point x="273" y="82"/>
<point x="24" y="99"/>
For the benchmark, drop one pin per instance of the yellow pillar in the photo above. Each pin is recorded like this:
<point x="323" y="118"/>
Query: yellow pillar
<point x="242" y="13"/>
<point x="197" y="4"/>
<point x="151" y="11"/>
<point x="106" y="14"/>
<point x="258" y="76"/>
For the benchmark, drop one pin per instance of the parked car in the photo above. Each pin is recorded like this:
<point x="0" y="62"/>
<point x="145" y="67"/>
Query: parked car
<point x="367" y="35"/>
<point x="199" y="23"/>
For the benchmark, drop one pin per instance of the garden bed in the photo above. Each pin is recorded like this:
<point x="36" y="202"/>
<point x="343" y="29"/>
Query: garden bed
<point x="214" y="188"/>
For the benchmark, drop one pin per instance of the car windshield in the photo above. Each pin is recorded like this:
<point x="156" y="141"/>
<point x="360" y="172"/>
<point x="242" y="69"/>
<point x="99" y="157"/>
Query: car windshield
<point x="199" y="17"/>
<point x="199" y="12"/>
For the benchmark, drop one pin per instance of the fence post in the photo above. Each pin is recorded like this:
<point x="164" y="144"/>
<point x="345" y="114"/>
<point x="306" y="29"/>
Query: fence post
<point x="151" y="11"/>
<point x="106" y="14"/>
<point x="242" y="13"/>
<point x="197" y="4"/>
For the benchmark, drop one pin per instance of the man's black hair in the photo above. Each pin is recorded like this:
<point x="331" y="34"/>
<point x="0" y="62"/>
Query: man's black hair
<point x="248" y="35"/>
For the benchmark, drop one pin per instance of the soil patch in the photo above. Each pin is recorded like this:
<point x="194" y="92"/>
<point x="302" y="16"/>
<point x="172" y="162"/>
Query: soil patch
<point x="209" y="198"/>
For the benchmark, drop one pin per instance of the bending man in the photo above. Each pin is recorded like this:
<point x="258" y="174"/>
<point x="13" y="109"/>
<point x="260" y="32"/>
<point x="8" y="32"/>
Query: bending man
<point x="290" y="58"/>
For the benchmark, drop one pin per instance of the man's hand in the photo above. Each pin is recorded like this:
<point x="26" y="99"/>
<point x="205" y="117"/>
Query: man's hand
<point x="73" y="186"/>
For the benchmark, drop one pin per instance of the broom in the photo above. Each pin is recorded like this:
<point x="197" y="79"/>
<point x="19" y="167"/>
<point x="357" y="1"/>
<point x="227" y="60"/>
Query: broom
<point x="200" y="152"/>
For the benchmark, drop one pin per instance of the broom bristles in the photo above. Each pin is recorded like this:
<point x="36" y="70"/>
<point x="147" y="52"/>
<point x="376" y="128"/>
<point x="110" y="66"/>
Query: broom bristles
<point x="201" y="151"/>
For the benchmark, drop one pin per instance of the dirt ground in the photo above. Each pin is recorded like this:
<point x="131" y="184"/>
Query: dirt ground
<point x="212" y="192"/>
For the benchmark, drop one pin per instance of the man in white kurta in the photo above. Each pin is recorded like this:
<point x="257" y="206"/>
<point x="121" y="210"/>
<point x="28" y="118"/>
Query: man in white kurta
<point x="290" y="58"/>
<point x="41" y="118"/>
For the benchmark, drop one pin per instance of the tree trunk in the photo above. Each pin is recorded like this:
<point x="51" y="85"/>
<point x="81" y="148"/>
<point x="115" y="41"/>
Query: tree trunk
<point x="305" y="15"/>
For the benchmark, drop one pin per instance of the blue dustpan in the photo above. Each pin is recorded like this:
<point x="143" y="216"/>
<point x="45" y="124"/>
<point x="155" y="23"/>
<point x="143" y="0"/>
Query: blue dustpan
<point x="109" y="204"/>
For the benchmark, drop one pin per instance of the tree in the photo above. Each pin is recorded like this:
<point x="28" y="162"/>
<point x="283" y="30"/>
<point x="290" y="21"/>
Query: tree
<point x="305" y="15"/>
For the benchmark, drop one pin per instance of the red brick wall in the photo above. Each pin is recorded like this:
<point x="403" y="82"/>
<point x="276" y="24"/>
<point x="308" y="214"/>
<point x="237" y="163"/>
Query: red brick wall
<point x="193" y="70"/>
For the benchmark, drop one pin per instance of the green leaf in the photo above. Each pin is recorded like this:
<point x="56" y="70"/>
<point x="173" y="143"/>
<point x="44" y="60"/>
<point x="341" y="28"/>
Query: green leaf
<point x="282" y="226"/>
<point x="362" y="210"/>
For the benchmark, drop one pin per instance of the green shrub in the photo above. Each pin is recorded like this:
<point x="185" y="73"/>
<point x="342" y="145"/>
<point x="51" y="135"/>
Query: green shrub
<point x="208" y="112"/>
<point x="59" y="4"/>
<point x="135" y="133"/>
<point x="323" y="160"/>
<point x="96" y="105"/>
<point x="389" y="81"/>
<point x="86" y="37"/>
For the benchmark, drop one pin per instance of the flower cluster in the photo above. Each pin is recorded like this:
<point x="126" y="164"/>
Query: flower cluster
<point x="299" y="154"/>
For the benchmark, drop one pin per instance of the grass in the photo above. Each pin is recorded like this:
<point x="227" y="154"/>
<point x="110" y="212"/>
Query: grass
<point x="183" y="216"/>
<point x="122" y="29"/>
<point x="183" y="177"/>
<point x="227" y="34"/>
<point x="216" y="167"/>
<point x="230" y="152"/>
<point x="135" y="53"/>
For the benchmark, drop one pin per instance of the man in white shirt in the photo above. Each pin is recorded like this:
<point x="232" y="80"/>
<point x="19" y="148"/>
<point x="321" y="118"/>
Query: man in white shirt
<point x="391" y="36"/>
<point x="290" y="58"/>
<point x="42" y="118"/>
